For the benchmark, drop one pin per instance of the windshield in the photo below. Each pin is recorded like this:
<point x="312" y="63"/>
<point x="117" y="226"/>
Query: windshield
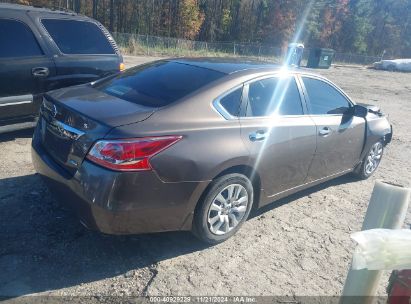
<point x="158" y="84"/>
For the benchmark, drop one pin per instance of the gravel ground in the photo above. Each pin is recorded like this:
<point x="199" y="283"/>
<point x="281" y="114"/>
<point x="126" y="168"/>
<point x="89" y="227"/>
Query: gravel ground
<point x="297" y="246"/>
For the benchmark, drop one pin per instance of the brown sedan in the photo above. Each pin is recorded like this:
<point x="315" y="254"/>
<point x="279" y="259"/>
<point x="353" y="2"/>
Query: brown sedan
<point x="194" y="144"/>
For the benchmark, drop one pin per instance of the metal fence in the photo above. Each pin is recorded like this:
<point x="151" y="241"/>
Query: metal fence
<point x="349" y="58"/>
<point x="134" y="44"/>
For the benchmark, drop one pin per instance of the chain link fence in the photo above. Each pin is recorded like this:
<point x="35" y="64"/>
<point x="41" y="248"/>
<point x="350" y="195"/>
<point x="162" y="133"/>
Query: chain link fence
<point x="348" y="58"/>
<point x="134" y="44"/>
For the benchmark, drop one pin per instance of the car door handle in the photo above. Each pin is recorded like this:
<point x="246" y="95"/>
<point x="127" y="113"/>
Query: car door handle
<point x="258" y="135"/>
<point x="40" y="72"/>
<point x="324" y="131"/>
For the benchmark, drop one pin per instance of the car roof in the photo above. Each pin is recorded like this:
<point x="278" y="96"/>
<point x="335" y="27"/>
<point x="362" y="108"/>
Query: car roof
<point x="227" y="65"/>
<point x="36" y="9"/>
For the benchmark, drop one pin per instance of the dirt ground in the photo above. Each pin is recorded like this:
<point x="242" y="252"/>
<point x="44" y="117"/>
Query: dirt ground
<point x="297" y="246"/>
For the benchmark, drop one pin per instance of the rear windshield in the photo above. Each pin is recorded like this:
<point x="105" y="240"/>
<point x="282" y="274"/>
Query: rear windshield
<point x="158" y="84"/>
<point x="77" y="37"/>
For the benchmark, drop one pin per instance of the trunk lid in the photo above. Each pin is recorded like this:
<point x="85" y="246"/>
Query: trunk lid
<point x="72" y="119"/>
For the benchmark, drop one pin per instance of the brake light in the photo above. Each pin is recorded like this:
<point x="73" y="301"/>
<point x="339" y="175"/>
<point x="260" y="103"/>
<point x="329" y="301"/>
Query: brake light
<point x="129" y="154"/>
<point x="122" y="67"/>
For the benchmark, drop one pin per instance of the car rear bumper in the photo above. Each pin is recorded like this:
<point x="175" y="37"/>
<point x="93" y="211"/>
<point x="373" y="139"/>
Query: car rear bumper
<point x="120" y="203"/>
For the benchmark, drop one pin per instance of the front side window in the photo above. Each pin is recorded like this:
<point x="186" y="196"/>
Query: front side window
<point x="77" y="37"/>
<point x="274" y="96"/>
<point x="158" y="84"/>
<point x="324" y="99"/>
<point x="17" y="40"/>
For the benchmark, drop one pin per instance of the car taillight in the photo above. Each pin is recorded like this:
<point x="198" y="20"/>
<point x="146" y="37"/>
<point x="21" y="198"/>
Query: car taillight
<point x="122" y="67"/>
<point x="129" y="154"/>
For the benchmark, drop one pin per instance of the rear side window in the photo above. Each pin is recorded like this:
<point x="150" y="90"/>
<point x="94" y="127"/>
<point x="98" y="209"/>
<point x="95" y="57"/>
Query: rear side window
<point x="17" y="40"/>
<point x="231" y="102"/>
<point x="324" y="99"/>
<point x="159" y="83"/>
<point x="274" y="96"/>
<point x="77" y="37"/>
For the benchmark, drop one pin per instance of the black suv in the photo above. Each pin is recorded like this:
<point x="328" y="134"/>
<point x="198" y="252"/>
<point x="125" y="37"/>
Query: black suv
<point x="42" y="50"/>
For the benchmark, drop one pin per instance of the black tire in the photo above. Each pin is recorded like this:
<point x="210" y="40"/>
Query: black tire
<point x="362" y="171"/>
<point x="201" y="225"/>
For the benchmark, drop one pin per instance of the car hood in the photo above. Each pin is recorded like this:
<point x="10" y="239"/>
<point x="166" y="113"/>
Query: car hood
<point x="99" y="106"/>
<point x="371" y="108"/>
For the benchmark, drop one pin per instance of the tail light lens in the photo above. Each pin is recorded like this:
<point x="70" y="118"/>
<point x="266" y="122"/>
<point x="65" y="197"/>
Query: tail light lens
<point x="129" y="154"/>
<point x="122" y="67"/>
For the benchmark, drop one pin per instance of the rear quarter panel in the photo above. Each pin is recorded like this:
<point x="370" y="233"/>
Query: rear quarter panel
<point x="208" y="147"/>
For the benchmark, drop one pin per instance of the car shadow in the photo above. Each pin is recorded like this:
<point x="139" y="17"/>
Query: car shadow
<point x="44" y="247"/>
<point x="10" y="136"/>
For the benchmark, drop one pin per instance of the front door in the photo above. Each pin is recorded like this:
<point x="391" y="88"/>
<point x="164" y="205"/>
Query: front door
<point x="280" y="137"/>
<point x="340" y="135"/>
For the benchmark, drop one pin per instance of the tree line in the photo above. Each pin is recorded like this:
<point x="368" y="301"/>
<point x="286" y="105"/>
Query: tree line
<point x="357" y="26"/>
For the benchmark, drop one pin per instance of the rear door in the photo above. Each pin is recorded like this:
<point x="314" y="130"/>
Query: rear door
<point x="340" y="135"/>
<point x="25" y="68"/>
<point x="85" y="51"/>
<point x="280" y="136"/>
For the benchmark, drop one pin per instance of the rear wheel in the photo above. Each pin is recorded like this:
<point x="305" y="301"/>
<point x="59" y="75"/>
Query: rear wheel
<point x="371" y="161"/>
<point x="224" y="208"/>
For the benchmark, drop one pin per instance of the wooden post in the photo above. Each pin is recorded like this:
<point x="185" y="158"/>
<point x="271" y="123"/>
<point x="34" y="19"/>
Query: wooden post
<point x="387" y="209"/>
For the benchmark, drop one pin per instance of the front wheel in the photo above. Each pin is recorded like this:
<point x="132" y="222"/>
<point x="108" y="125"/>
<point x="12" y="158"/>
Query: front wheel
<point x="371" y="161"/>
<point x="224" y="208"/>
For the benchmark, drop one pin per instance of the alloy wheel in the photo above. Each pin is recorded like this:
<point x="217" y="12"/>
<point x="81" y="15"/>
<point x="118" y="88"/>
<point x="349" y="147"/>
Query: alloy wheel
<point x="374" y="158"/>
<point x="227" y="209"/>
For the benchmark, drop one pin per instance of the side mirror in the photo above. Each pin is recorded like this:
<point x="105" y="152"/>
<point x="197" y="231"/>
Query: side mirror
<point x="359" y="111"/>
